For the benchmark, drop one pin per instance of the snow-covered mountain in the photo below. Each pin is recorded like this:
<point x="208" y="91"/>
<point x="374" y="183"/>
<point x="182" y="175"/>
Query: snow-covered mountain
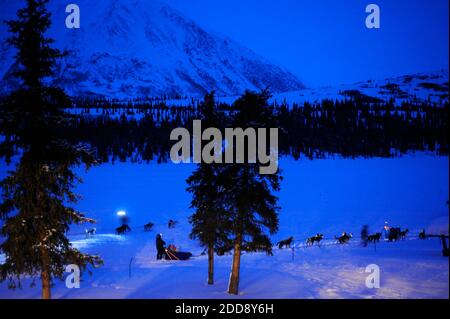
<point x="135" y="48"/>
<point x="418" y="87"/>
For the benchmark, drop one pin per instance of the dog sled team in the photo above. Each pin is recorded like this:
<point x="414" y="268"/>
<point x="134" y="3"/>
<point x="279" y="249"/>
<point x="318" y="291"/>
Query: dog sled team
<point x="162" y="252"/>
<point x="391" y="234"/>
<point x="171" y="252"/>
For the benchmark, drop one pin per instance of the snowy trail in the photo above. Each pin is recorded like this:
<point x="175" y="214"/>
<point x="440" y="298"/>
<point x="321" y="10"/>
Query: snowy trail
<point x="409" y="269"/>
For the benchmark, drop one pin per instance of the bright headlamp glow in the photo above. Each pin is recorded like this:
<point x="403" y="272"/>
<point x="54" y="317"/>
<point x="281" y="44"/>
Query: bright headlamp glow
<point x="121" y="213"/>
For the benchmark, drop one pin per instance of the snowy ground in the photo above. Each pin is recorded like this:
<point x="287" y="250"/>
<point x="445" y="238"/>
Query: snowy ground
<point x="409" y="269"/>
<point x="327" y="196"/>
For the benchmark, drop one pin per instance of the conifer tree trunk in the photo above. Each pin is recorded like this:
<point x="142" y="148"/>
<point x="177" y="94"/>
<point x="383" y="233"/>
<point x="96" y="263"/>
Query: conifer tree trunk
<point x="233" y="286"/>
<point x="45" y="275"/>
<point x="210" y="264"/>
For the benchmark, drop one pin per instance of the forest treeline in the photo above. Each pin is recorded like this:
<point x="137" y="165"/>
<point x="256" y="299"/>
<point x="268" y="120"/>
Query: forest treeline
<point x="349" y="128"/>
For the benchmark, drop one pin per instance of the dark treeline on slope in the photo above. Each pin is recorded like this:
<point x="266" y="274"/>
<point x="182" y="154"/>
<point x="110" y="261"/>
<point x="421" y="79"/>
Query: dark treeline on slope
<point x="348" y="128"/>
<point x="354" y="128"/>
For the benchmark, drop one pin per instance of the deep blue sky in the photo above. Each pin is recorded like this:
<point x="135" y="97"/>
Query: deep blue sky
<point x="326" y="41"/>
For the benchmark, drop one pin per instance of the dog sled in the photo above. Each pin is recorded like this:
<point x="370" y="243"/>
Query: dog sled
<point x="171" y="253"/>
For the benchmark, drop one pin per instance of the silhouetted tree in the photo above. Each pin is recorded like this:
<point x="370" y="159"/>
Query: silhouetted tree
<point x="210" y="222"/>
<point x="249" y="195"/>
<point x="36" y="195"/>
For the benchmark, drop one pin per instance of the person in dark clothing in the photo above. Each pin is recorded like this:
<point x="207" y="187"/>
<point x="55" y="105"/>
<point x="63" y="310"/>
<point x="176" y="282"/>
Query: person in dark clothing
<point x="160" y="247"/>
<point x="364" y="235"/>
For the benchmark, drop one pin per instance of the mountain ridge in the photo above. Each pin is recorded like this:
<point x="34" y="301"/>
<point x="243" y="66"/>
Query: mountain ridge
<point x="128" y="49"/>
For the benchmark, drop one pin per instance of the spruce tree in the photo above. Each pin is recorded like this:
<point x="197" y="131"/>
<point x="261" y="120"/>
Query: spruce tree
<point x="210" y="223"/>
<point x="249" y="198"/>
<point x="35" y="197"/>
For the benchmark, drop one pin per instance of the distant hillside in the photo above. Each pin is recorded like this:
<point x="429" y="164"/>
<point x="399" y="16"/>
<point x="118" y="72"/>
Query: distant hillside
<point x="137" y="48"/>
